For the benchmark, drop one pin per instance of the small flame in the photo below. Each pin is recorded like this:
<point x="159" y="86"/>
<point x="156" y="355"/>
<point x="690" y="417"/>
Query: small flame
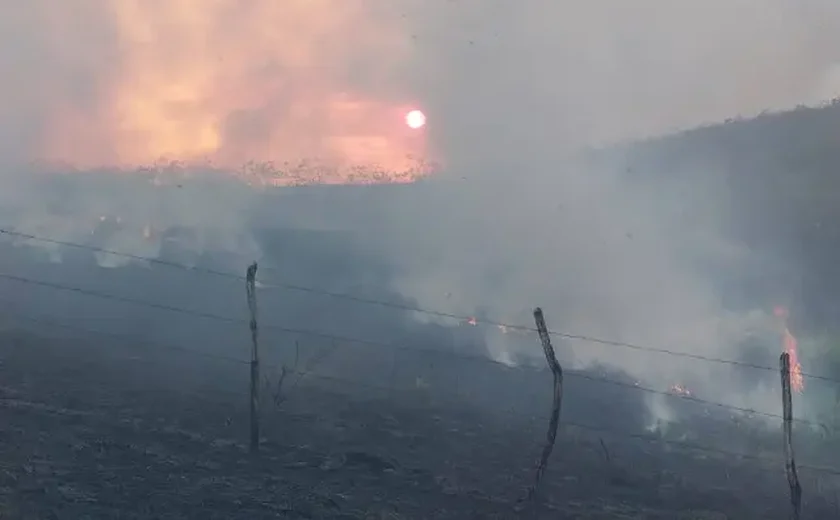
<point x="790" y="345"/>
<point x="472" y="321"/>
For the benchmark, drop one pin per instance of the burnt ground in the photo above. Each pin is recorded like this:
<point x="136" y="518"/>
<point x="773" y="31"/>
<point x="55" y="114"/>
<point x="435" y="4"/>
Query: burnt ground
<point x="90" y="431"/>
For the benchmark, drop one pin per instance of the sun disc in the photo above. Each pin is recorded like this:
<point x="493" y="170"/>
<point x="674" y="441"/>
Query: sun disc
<point x="415" y="119"/>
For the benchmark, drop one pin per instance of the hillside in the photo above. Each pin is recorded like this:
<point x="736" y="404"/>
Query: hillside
<point x="779" y="189"/>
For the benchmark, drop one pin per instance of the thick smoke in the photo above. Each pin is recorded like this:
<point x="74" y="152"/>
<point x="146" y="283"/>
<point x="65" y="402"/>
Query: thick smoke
<point x="518" y="87"/>
<point x="512" y="90"/>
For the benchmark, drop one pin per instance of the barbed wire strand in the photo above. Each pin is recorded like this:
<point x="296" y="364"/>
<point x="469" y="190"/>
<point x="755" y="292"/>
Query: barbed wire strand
<point x="157" y="345"/>
<point x="600" y="429"/>
<point x="305" y="332"/>
<point x="44" y="321"/>
<point x="612" y="431"/>
<point x="593" y="428"/>
<point x="474" y="358"/>
<point x="411" y="308"/>
<point x="566" y="423"/>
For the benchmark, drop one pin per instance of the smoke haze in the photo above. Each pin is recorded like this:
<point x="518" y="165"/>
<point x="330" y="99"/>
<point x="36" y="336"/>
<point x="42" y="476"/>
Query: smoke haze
<point x="125" y="83"/>
<point x="511" y="89"/>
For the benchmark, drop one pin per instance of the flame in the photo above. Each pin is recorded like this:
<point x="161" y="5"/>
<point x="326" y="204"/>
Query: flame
<point x="472" y="321"/>
<point x="789" y="345"/>
<point x="296" y="84"/>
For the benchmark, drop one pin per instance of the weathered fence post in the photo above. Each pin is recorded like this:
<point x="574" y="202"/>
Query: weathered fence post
<point x="787" y="415"/>
<point x="557" y="372"/>
<point x="250" y="287"/>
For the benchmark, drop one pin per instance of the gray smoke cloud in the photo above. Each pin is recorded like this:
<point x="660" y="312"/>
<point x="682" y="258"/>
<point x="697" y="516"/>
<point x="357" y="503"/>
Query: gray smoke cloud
<point x="518" y="88"/>
<point x="513" y="91"/>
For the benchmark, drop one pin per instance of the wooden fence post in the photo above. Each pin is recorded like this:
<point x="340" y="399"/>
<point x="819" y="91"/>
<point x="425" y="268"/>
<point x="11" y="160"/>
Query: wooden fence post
<point x="787" y="415"/>
<point x="250" y="287"/>
<point x="557" y="372"/>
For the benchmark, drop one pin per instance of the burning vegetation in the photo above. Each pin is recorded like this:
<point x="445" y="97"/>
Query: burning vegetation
<point x="790" y="346"/>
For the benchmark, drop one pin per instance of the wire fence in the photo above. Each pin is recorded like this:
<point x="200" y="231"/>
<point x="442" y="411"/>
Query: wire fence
<point x="346" y="340"/>
<point x="367" y="301"/>
<point x="280" y="380"/>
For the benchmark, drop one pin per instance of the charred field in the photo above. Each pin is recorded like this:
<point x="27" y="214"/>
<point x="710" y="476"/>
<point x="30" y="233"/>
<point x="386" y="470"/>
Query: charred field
<point x="94" y="431"/>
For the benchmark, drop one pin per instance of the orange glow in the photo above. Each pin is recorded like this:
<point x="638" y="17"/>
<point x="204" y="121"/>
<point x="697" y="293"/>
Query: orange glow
<point x="227" y="83"/>
<point x="789" y="345"/>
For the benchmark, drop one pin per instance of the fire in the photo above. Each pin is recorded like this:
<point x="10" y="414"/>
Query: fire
<point x="227" y="83"/>
<point x="789" y="345"/>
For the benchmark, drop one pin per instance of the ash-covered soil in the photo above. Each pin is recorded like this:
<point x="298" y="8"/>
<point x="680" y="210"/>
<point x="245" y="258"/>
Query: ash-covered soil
<point x="90" y="431"/>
